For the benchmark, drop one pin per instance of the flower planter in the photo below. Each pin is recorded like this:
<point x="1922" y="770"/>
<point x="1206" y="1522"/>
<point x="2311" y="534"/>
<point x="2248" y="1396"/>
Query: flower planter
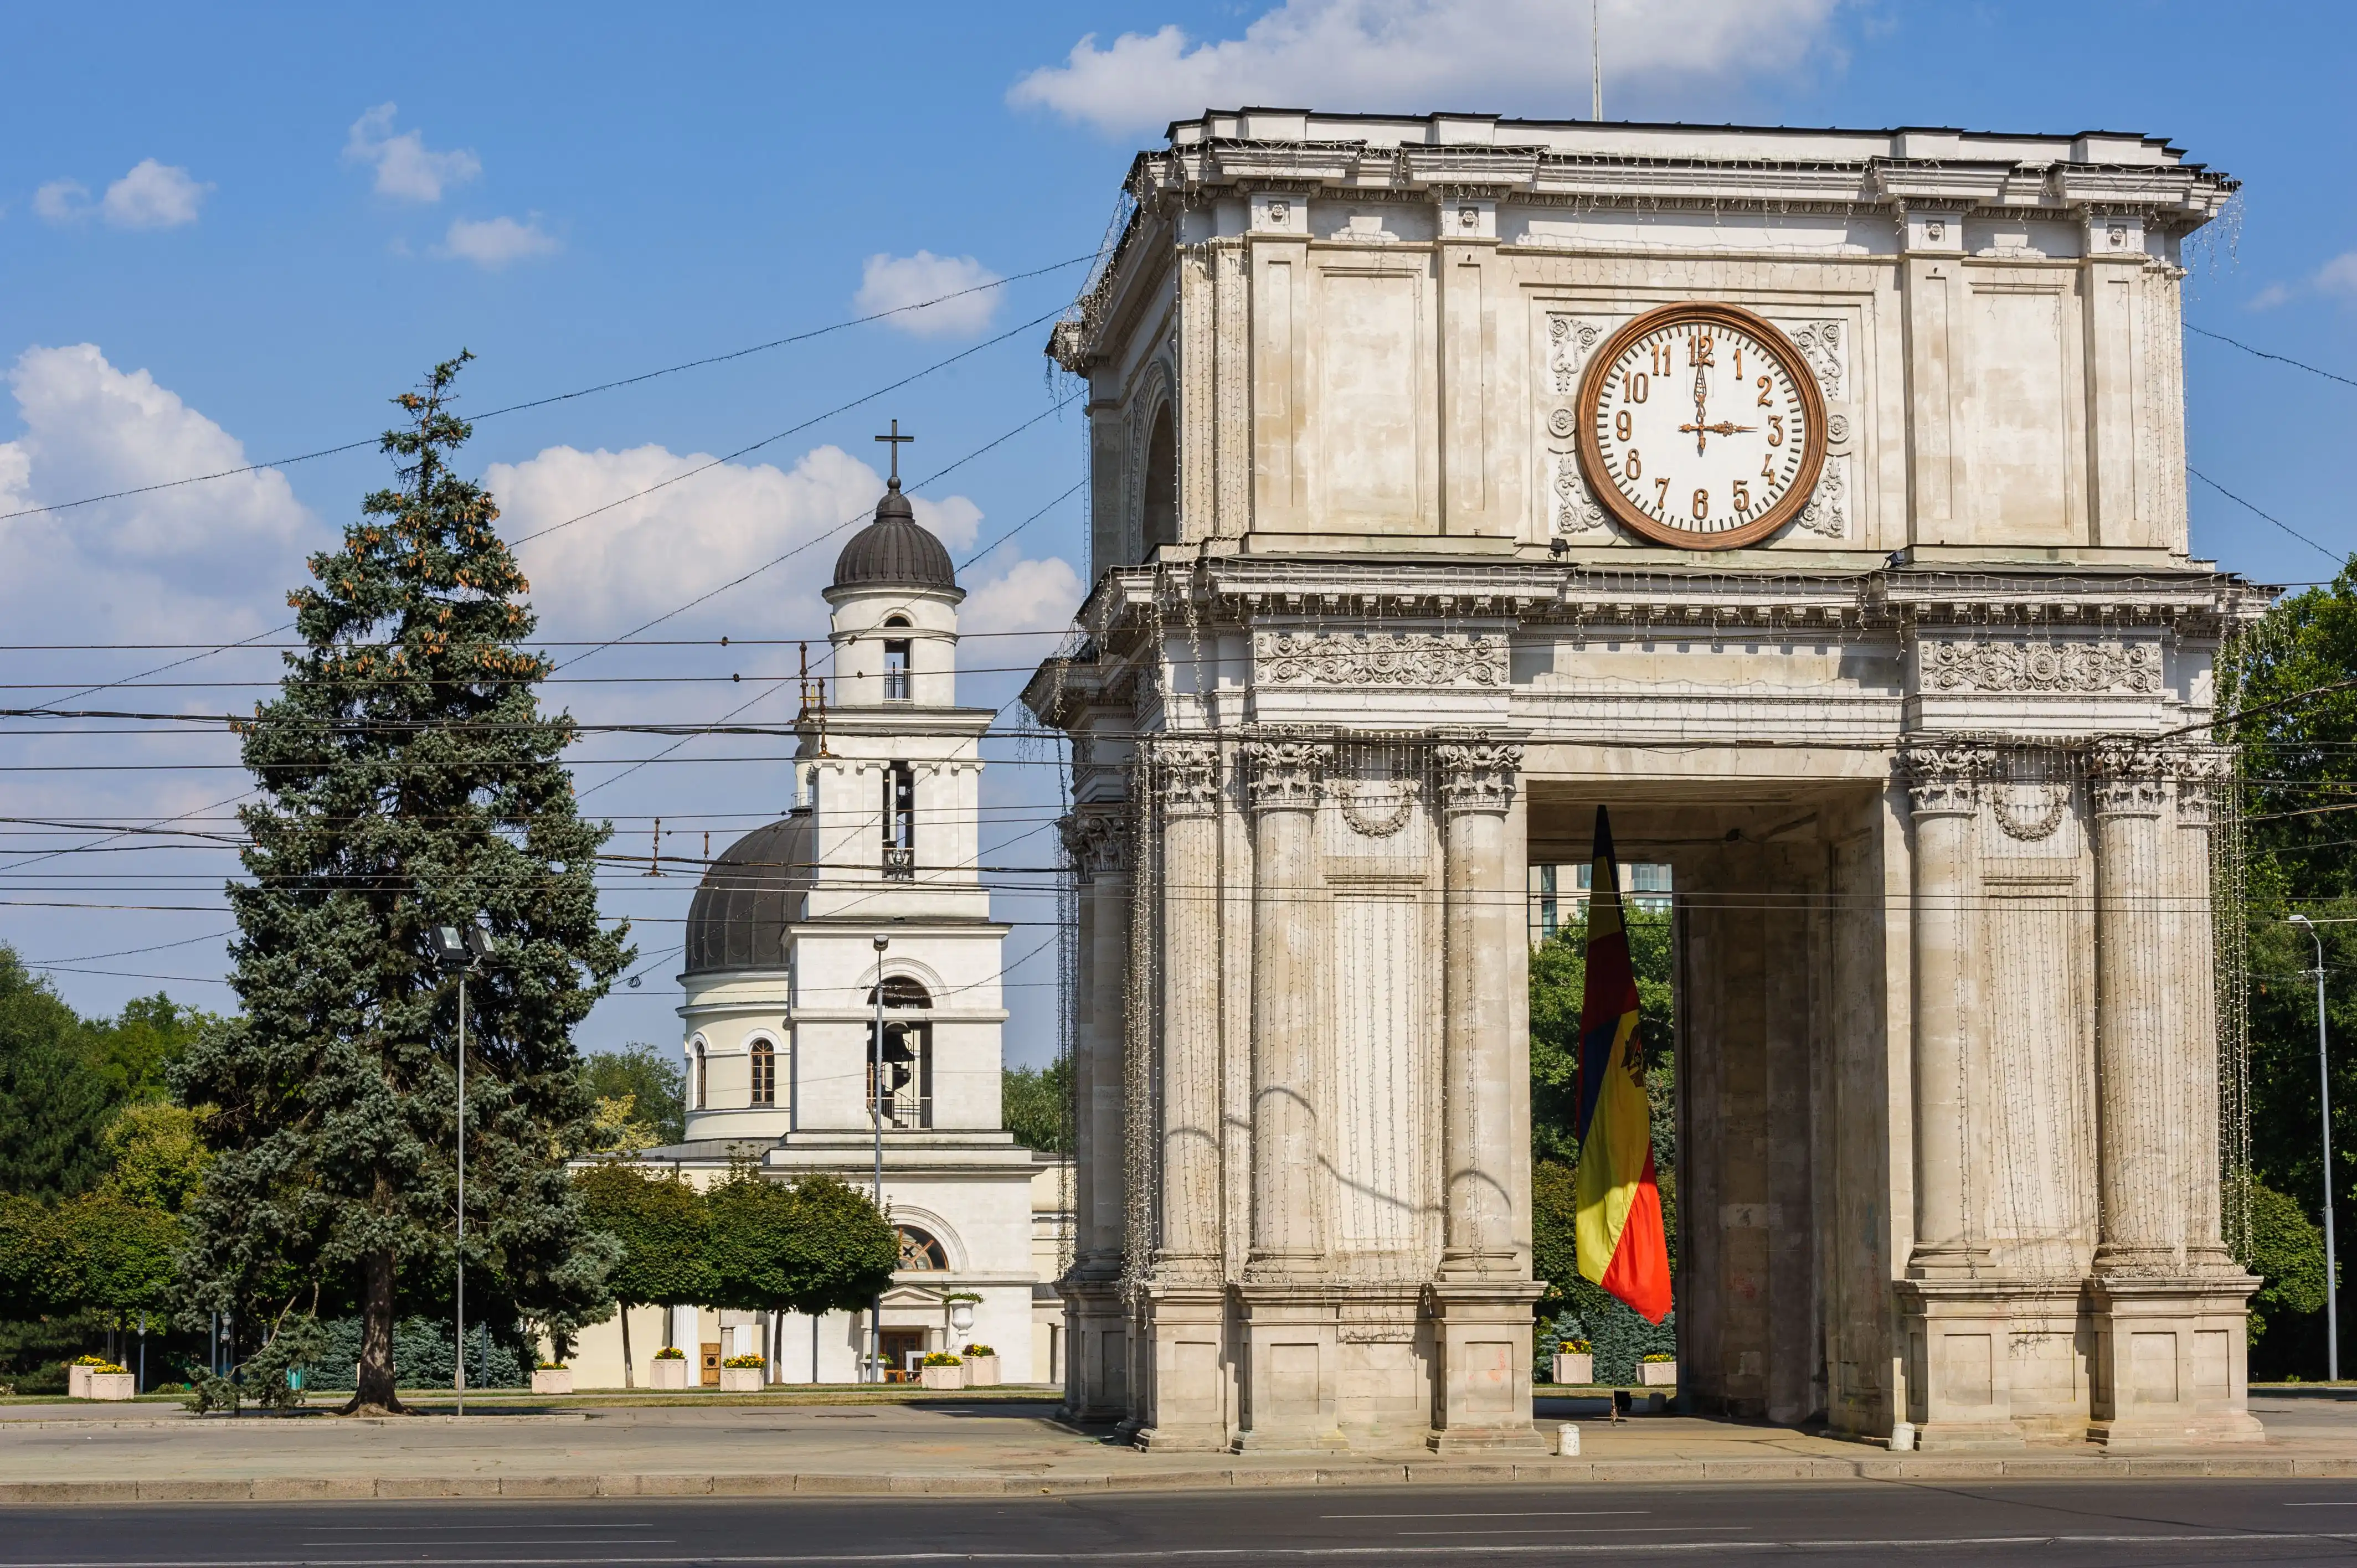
<point x="552" y="1381"/>
<point x="741" y="1379"/>
<point x="981" y="1371"/>
<point x="671" y="1372"/>
<point x="110" y="1385"/>
<point x="1657" y="1374"/>
<point x="77" y="1382"/>
<point x="942" y="1377"/>
<point x="1574" y="1367"/>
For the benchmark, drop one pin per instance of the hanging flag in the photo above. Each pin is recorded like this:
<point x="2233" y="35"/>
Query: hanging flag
<point x="1622" y="1244"/>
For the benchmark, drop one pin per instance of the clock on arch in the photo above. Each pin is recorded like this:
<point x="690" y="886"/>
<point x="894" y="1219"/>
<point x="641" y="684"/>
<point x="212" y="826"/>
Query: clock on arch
<point x="1700" y="426"/>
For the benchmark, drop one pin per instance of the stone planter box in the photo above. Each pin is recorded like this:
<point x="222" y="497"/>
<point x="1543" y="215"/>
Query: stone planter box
<point x="981" y="1371"/>
<point x="78" y="1382"/>
<point x="1657" y="1374"/>
<point x="1575" y="1367"/>
<point x="110" y="1385"/>
<point x="742" y="1380"/>
<point x="942" y="1377"/>
<point x="671" y="1372"/>
<point x="552" y="1379"/>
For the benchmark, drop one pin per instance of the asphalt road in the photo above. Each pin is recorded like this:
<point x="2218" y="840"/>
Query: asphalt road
<point x="2148" y="1524"/>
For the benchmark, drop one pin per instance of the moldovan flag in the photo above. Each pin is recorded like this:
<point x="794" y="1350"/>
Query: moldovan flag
<point x="1621" y="1246"/>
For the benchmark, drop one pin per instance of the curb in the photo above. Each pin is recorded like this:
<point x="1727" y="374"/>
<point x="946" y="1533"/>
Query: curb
<point x="995" y="1484"/>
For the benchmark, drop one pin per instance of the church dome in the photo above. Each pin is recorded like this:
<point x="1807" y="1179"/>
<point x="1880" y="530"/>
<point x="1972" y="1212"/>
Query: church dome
<point x="749" y="894"/>
<point x="895" y="550"/>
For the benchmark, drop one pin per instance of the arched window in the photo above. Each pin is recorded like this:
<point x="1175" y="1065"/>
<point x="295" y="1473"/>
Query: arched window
<point x="1162" y="481"/>
<point x="902" y="991"/>
<point x="695" y="1074"/>
<point x="896" y="620"/>
<point x="906" y="1098"/>
<point x="765" y="1073"/>
<point x="920" y="1253"/>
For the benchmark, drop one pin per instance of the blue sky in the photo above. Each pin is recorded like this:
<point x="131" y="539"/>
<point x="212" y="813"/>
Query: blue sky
<point x="228" y="237"/>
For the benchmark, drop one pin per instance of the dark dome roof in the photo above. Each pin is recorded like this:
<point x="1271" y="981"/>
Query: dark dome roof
<point x="895" y="550"/>
<point x="749" y="894"/>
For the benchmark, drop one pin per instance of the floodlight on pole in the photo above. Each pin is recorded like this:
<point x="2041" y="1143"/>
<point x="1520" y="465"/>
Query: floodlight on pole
<point x="2324" y="1101"/>
<point x="458" y="950"/>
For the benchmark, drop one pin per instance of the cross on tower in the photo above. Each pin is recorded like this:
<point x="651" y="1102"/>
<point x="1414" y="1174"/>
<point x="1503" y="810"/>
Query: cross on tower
<point x="896" y="439"/>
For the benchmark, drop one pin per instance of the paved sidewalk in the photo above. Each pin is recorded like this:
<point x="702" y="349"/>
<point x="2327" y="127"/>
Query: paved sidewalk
<point x="61" y="1453"/>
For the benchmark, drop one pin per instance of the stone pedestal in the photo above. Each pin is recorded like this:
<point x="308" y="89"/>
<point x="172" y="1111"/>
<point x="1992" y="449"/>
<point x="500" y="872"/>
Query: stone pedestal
<point x="2168" y="1367"/>
<point x="1096" y="1358"/>
<point x="1292" y="1353"/>
<point x="1957" y="1337"/>
<point x="1187" y="1408"/>
<point x="1481" y="1392"/>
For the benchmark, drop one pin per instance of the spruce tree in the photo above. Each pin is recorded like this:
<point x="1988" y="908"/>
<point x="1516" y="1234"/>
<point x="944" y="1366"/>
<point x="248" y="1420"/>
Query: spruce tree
<point x="408" y="780"/>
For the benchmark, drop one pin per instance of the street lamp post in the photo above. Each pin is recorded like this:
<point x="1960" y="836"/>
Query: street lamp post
<point x="876" y="1109"/>
<point x="2324" y="1099"/>
<point x="459" y="950"/>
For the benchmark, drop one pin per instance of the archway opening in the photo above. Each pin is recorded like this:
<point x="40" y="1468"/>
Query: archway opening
<point x="1162" y="481"/>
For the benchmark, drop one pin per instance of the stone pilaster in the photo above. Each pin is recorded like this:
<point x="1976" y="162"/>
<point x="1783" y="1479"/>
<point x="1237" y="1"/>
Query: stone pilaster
<point x="2169" y="1358"/>
<point x="1952" y="1310"/>
<point x="1185" y="1302"/>
<point x="1292" y="1339"/>
<point x="1481" y="1304"/>
<point x="1099" y="1345"/>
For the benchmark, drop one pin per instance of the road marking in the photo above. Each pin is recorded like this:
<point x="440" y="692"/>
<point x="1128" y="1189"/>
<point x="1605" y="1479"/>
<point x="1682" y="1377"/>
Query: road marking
<point x="1569" y="1513"/>
<point x="1582" y="1530"/>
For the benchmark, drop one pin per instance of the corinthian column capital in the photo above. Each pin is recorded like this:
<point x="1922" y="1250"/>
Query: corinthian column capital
<point x="2203" y="774"/>
<point x="1185" y="777"/>
<point x="1284" y="774"/>
<point x="1943" y="776"/>
<point x="1099" y="844"/>
<point x="2127" y="778"/>
<point x="1478" y="774"/>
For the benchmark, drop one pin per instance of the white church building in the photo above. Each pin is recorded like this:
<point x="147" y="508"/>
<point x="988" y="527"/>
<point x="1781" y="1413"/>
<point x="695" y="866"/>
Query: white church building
<point x="871" y="880"/>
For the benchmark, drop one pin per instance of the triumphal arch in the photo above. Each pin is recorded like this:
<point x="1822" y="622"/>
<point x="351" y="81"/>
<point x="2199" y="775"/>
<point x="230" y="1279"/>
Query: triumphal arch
<point x="1813" y="499"/>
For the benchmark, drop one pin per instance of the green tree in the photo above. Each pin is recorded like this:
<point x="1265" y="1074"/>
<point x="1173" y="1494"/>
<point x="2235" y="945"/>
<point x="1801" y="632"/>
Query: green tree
<point x="133" y="1051"/>
<point x="658" y="1225"/>
<point x="153" y="1156"/>
<point x="1036" y="1105"/>
<point x="1558" y="978"/>
<point x="410" y="780"/>
<point x="844" y="1252"/>
<point x="2299" y="765"/>
<point x="651" y="1078"/>
<point x="52" y="1099"/>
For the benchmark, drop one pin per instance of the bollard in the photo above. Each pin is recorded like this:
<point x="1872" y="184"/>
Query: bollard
<point x="1566" y="1441"/>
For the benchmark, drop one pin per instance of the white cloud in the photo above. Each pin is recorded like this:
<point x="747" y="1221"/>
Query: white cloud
<point x="1031" y="596"/>
<point x="493" y="242"/>
<point x="2338" y="275"/>
<point x="210" y="559"/>
<point x="405" y="167"/>
<point x="153" y="196"/>
<point x="2268" y="298"/>
<point x="890" y="282"/>
<point x="1412" y="56"/>
<point x="651" y="555"/>
<point x="62" y="200"/>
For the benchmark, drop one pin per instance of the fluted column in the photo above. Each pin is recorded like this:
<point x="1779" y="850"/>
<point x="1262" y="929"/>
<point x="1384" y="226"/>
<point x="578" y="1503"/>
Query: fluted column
<point x="2201" y="773"/>
<point x="1108" y="839"/>
<point x="1943" y="798"/>
<point x="1077" y="847"/>
<point x="1186" y="782"/>
<point x="1484" y="916"/>
<point x="1283" y="795"/>
<point x="2139" y="1100"/>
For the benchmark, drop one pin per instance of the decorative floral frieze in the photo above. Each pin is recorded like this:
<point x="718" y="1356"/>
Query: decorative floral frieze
<point x="1943" y="777"/>
<point x="1477" y="776"/>
<point x="1284" y="774"/>
<point x="2076" y="666"/>
<point x="1186" y="777"/>
<point x="2128" y="778"/>
<point x="1379" y="659"/>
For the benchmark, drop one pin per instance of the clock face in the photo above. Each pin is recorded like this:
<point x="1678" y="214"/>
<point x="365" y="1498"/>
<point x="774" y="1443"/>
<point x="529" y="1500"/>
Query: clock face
<point x="1700" y="426"/>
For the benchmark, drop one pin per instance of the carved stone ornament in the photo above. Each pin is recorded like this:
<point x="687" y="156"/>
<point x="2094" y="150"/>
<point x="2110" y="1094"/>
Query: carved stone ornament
<point x="1827" y="512"/>
<point x="1284" y="774"/>
<point x="1100" y="840"/>
<point x="1380" y="658"/>
<point x="1820" y="343"/>
<point x="1943" y="777"/>
<point x="1477" y="776"/>
<point x="1576" y="509"/>
<point x="2043" y="665"/>
<point x="2204" y="774"/>
<point x="1370" y="811"/>
<point x="2025" y="821"/>
<point x="1186" y="777"/>
<point x="1570" y="339"/>
<point x="2128" y="779"/>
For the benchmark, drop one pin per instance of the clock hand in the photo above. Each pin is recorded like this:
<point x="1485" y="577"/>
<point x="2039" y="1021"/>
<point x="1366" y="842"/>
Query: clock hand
<point x="1702" y="396"/>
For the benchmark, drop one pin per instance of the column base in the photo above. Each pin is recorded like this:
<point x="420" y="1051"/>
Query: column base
<point x="2171" y="1368"/>
<point x="1291" y="1352"/>
<point x="1096" y="1357"/>
<point x="1481" y="1332"/>
<point x="1184" y="1332"/>
<point x="1957" y="1335"/>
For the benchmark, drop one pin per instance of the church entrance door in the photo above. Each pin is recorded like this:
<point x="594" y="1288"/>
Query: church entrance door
<point x="902" y="1349"/>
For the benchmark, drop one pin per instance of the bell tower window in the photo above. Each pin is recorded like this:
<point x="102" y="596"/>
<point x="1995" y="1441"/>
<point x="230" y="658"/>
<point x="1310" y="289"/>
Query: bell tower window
<point x="895" y="669"/>
<point x="765" y="1073"/>
<point x="899" y="820"/>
